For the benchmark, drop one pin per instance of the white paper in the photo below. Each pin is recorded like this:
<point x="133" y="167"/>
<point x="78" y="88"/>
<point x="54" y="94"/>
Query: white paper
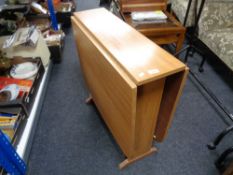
<point x="150" y="15"/>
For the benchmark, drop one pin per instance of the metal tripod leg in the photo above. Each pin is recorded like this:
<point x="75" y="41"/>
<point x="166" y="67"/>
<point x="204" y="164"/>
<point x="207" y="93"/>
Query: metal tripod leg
<point x="187" y="54"/>
<point x="219" y="138"/>
<point x="202" y="63"/>
<point x="182" y="50"/>
<point x="190" y="51"/>
<point x="201" y="53"/>
<point x="191" y="47"/>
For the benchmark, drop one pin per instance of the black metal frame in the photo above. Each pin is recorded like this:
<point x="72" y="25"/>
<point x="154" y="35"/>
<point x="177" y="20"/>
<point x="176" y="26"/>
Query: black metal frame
<point x="220" y="162"/>
<point x="213" y="96"/>
<point x="191" y="47"/>
<point x="219" y="138"/>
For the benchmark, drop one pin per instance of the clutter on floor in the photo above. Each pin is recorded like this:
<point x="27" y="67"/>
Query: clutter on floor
<point x="30" y="38"/>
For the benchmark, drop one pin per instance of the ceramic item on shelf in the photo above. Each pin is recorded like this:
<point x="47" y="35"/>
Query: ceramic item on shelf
<point x="5" y="96"/>
<point x="24" y="70"/>
<point x="9" y="92"/>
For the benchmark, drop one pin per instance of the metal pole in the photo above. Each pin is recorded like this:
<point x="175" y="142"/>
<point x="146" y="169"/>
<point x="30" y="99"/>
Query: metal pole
<point x="52" y="15"/>
<point x="187" y="12"/>
<point x="213" y="96"/>
<point x="198" y="16"/>
<point x="9" y="158"/>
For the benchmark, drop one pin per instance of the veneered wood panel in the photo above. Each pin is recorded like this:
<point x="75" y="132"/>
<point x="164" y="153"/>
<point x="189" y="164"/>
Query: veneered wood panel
<point x="142" y="5"/>
<point x="113" y="92"/>
<point x="139" y="57"/>
<point x="172" y="91"/>
<point x="148" y="104"/>
<point x="134" y="83"/>
<point x="164" y="39"/>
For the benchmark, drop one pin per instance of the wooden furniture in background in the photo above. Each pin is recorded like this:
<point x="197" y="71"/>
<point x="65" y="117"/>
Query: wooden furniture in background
<point x="142" y="5"/>
<point x="229" y="170"/>
<point x="168" y="32"/>
<point x="133" y="82"/>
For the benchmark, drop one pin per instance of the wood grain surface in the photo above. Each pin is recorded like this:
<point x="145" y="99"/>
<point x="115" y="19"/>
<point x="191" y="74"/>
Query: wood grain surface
<point x="168" y="32"/>
<point x="113" y="93"/>
<point x="148" y="104"/>
<point x="139" y="57"/>
<point x="142" y="5"/>
<point x="133" y="82"/>
<point x="172" y="91"/>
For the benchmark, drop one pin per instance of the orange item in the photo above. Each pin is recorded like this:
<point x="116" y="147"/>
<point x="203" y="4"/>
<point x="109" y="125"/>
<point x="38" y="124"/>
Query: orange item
<point x="55" y="2"/>
<point x="24" y="85"/>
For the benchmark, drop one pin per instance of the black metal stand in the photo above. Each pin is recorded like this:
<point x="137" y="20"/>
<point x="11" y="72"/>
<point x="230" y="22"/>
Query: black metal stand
<point x="221" y="160"/>
<point x="191" y="47"/>
<point x="213" y="96"/>
<point x="187" y="12"/>
<point x="219" y="138"/>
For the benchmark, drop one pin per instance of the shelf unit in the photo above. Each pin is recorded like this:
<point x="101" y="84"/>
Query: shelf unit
<point x="25" y="142"/>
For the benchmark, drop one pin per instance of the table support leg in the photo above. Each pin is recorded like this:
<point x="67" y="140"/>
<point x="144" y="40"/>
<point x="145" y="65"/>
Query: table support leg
<point x="180" y="42"/>
<point x="89" y="99"/>
<point x="128" y="161"/>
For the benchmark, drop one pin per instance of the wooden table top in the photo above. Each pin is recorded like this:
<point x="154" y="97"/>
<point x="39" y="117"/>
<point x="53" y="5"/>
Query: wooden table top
<point x="124" y="44"/>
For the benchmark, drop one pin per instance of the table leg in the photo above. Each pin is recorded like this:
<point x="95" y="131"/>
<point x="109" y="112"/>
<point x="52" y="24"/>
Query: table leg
<point x="129" y="161"/>
<point x="89" y="99"/>
<point x="180" y="41"/>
